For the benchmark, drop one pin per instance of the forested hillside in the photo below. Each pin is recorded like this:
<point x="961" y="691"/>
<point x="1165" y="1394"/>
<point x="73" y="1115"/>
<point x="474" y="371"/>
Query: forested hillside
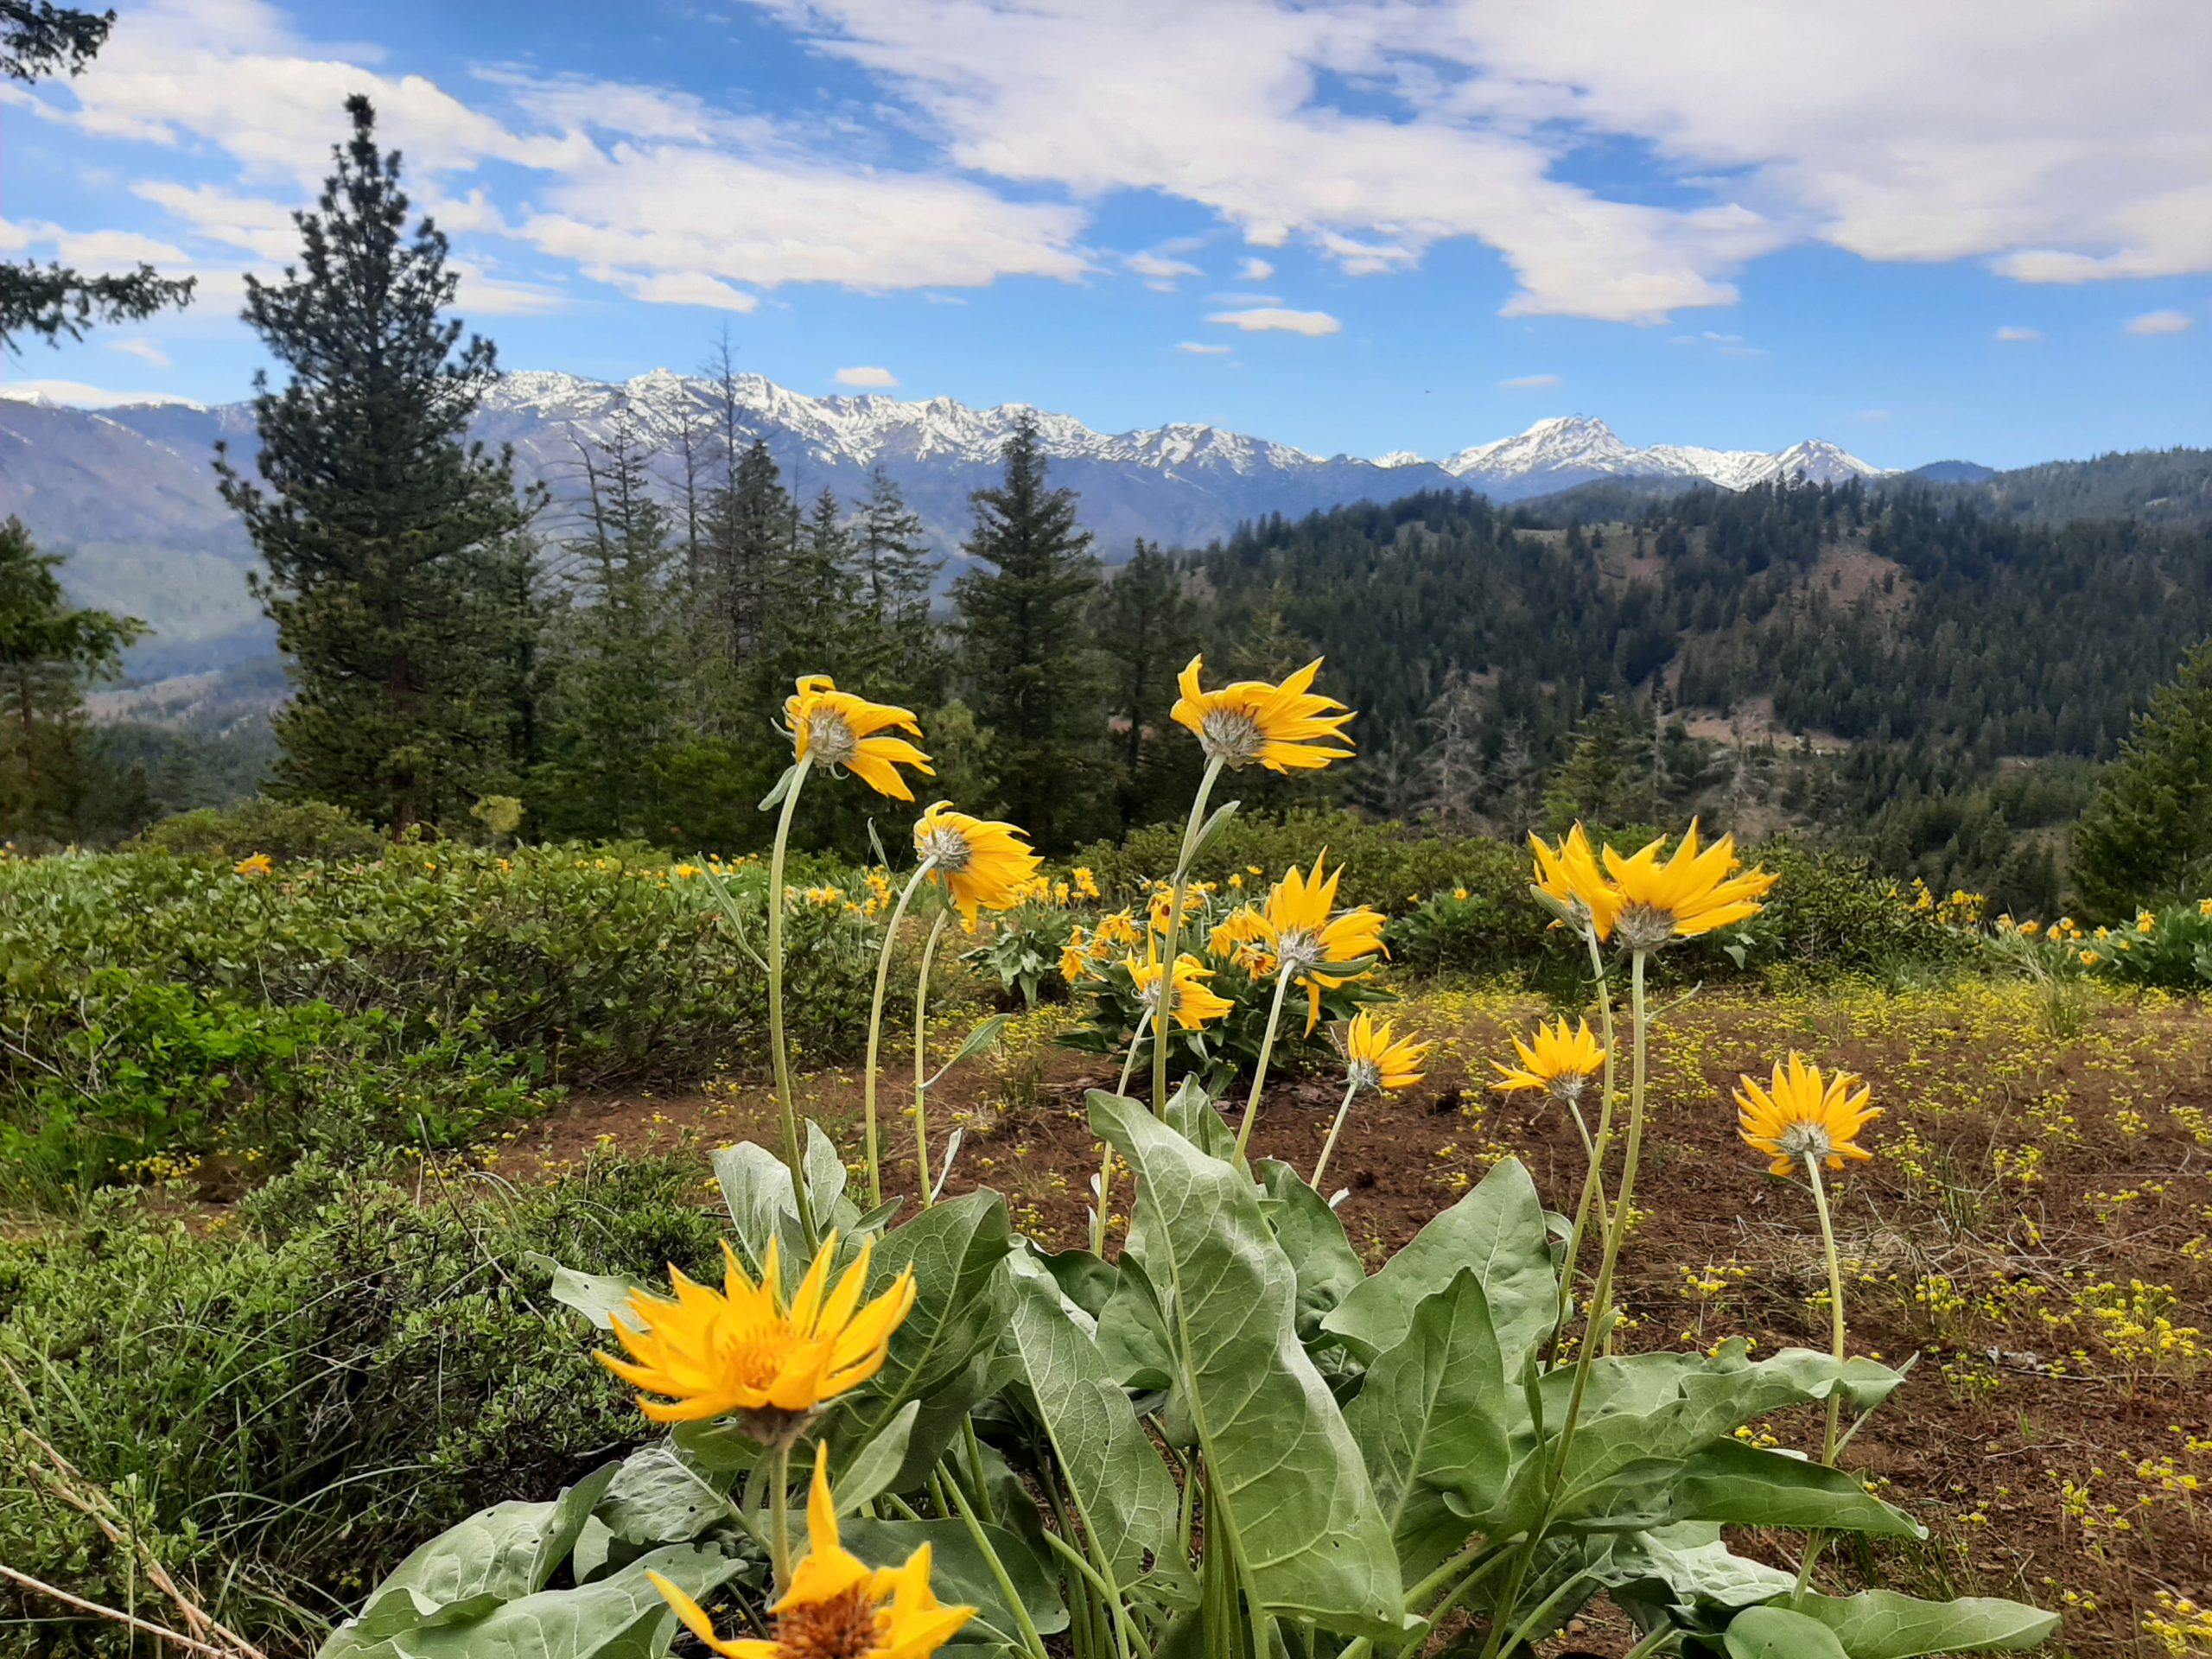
<point x="1899" y="668"/>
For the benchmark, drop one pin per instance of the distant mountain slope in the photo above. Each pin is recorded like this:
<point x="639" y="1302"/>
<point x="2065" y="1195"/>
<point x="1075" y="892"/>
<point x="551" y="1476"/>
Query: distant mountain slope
<point x="128" y="492"/>
<point x="2156" y="486"/>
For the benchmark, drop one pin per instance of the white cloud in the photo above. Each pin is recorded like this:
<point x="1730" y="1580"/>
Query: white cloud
<point x="77" y="394"/>
<point x="1271" y="319"/>
<point x="144" y="350"/>
<point x="1199" y="348"/>
<point x="261" y="227"/>
<point x="877" y="379"/>
<point x="675" y="288"/>
<point x="2161" y="322"/>
<point x="1529" y="382"/>
<point x="2063" y="146"/>
<point x="1160" y="267"/>
<point x="2013" y="334"/>
<point x="1254" y="270"/>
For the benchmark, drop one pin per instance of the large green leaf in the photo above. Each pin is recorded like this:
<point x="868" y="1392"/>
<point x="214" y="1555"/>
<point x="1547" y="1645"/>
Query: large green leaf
<point x="1126" y="1500"/>
<point x="1436" y="1415"/>
<point x="959" y="1572"/>
<point x="1288" y="1492"/>
<point x="598" y="1297"/>
<point x="496" y="1556"/>
<point x="1498" y="1231"/>
<point x="865" y="1475"/>
<point x="1742" y="1486"/>
<point x="756" y="1186"/>
<point x="1882" y="1625"/>
<point x="941" y="1353"/>
<point x="1313" y="1236"/>
<point x="620" y="1617"/>
<point x="655" y="1498"/>
<point x="1682" y="1567"/>
<point x="1776" y="1633"/>
<point x="1647" y="1410"/>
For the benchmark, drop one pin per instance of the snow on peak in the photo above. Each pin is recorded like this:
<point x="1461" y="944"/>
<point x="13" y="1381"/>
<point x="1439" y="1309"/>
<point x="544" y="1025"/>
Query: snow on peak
<point x="866" y="428"/>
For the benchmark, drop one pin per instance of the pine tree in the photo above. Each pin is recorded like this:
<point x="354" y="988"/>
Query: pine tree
<point x="2148" y="840"/>
<point x="38" y="39"/>
<point x="49" y="652"/>
<point x="1603" y="778"/>
<point x="1142" y="616"/>
<point x="617" y="678"/>
<point x="380" y="524"/>
<point x="749" y="532"/>
<point x="1032" y="676"/>
<point x="897" y="573"/>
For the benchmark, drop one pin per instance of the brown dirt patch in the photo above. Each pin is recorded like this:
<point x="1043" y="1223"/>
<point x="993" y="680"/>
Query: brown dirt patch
<point x="2034" y="1229"/>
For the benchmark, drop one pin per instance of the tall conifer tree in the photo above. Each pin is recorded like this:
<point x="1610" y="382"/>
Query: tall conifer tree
<point x="2147" y="839"/>
<point x="380" y="524"/>
<point x="49" y="652"/>
<point x="1033" y="677"/>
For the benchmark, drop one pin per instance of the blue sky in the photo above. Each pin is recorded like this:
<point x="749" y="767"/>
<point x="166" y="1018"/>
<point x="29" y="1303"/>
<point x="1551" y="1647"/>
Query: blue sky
<point x="1930" y="230"/>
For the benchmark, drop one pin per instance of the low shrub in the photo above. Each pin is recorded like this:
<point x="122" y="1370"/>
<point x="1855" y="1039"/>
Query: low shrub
<point x="286" y="1403"/>
<point x="282" y="829"/>
<point x="157" y="1003"/>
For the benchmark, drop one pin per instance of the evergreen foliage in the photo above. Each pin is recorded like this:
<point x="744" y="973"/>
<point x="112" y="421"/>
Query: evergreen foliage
<point x="49" y="652"/>
<point x="2147" y="839"/>
<point x="38" y="39"/>
<point x="1032" y="674"/>
<point x="381" y="525"/>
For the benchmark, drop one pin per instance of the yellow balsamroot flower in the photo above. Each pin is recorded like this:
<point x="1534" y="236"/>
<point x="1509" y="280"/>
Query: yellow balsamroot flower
<point x="1310" y="943"/>
<point x="1284" y="728"/>
<point x="841" y="730"/>
<point x="1560" y="1060"/>
<point x="1086" y="883"/>
<point x="1804" y="1113"/>
<point x="1120" y="928"/>
<point x="1570" y="873"/>
<point x="259" y="864"/>
<point x="838" y="1607"/>
<point x="743" y="1349"/>
<point x="983" y="863"/>
<point x="1692" y="892"/>
<point x="1075" y="956"/>
<point x="1192" y="1004"/>
<point x="1374" y="1060"/>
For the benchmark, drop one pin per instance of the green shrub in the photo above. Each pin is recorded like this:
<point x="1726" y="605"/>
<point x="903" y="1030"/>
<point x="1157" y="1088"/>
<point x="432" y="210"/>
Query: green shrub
<point x="288" y="1403"/>
<point x="161" y="1004"/>
<point x="281" y="829"/>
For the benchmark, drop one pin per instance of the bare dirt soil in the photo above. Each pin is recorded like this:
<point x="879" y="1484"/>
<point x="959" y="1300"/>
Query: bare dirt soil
<point x="2033" y="1235"/>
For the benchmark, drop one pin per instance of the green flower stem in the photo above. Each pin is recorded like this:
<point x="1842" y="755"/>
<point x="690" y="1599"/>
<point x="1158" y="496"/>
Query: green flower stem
<point x="1129" y="1064"/>
<point x="1284" y="980"/>
<point x="875" y="1023"/>
<point x="1336" y="1128"/>
<point x="1593" y="1179"/>
<point x="1161" y="1002"/>
<point x="779" y="1534"/>
<point x="1836" y="1339"/>
<point x="921" y="1059"/>
<point x="1030" y="1639"/>
<point x="794" y="1153"/>
<point x="1601" y="1301"/>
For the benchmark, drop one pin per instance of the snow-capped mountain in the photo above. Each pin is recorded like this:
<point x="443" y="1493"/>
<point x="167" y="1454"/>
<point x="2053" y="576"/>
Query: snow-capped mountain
<point x="1567" y="450"/>
<point x="128" y="489"/>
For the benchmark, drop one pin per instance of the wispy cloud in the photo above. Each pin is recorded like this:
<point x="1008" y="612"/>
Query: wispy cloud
<point x="2014" y="334"/>
<point x="1199" y="348"/>
<point x="2161" y="322"/>
<point x="144" y="350"/>
<point x="1160" y="271"/>
<point x="879" y="379"/>
<point x="1254" y="270"/>
<point x="1529" y="382"/>
<point x="1270" y="319"/>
